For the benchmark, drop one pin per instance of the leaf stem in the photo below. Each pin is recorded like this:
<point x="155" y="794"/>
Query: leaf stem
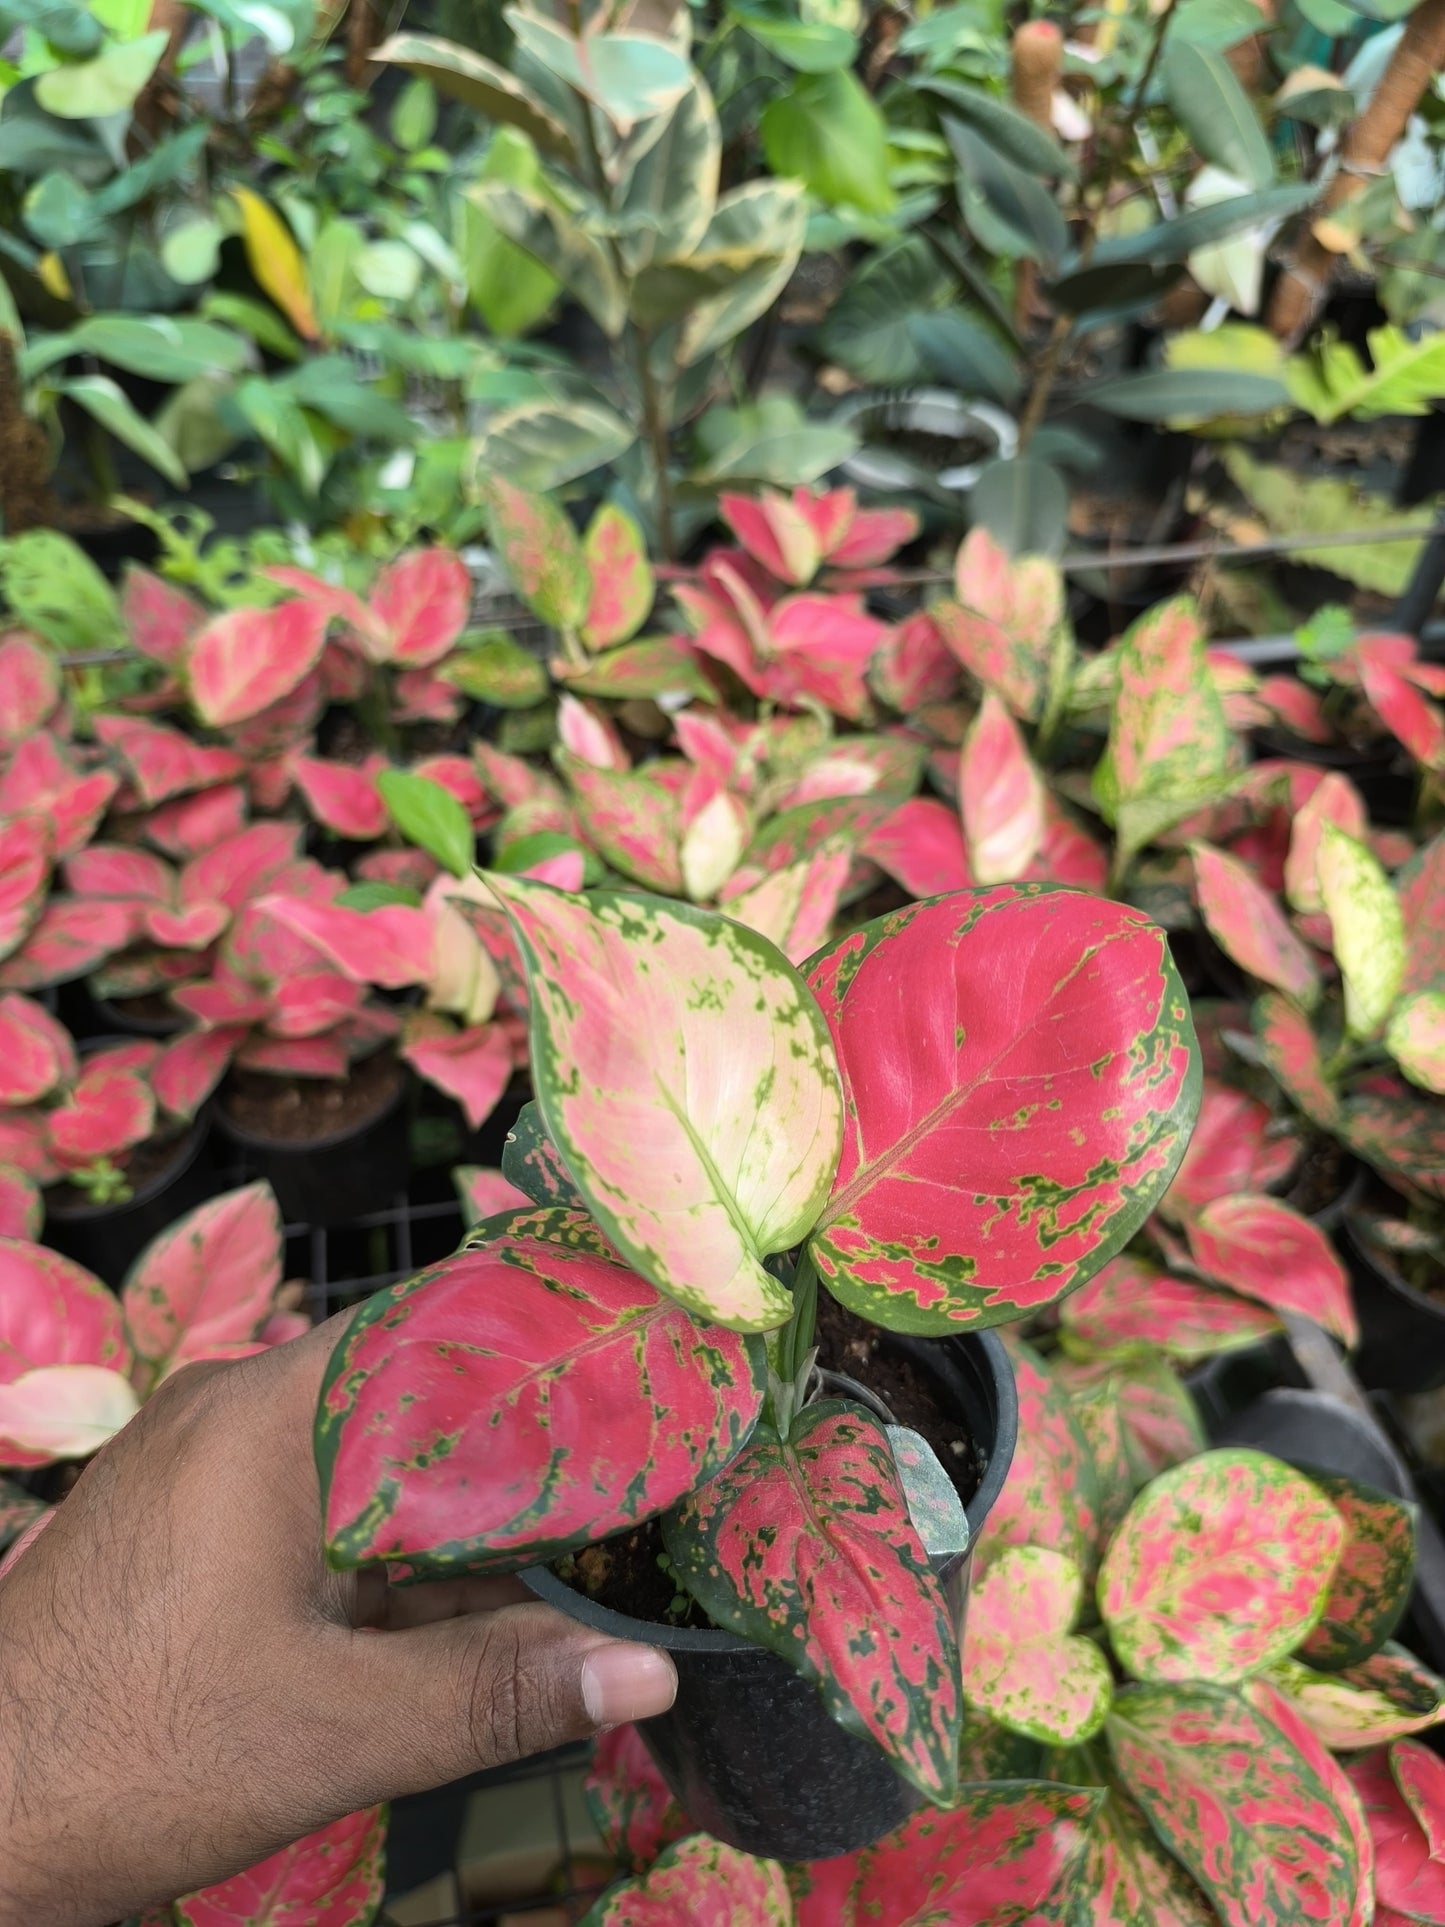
<point x="655" y="429"/>
<point x="798" y="1332"/>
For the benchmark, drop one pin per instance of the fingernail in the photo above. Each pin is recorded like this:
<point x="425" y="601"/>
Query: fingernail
<point x="622" y="1682"/>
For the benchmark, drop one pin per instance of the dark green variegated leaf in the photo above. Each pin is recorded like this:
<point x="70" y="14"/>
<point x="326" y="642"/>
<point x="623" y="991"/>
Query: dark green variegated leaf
<point x="1128" y="1880"/>
<point x="1370" y="1588"/>
<point x="1023" y="1664"/>
<point x="805" y="1546"/>
<point x="455" y="1428"/>
<point x="531" y="1161"/>
<point x="1042" y="1078"/>
<point x="631" y="1804"/>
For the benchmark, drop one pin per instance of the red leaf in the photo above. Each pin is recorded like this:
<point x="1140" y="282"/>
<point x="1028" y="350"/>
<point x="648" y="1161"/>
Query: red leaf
<point x="194" y="928"/>
<point x="703" y="1883"/>
<point x="1404" y="711"/>
<point x="109" y="1111"/>
<point x="119" y="871"/>
<point x="421" y="603"/>
<point x="191" y="824"/>
<point x="391" y="946"/>
<point x="247" y="659"/>
<point x="160" y="619"/>
<point x="1008" y="623"/>
<point x="824" y="645"/>
<point x="1023" y="1665"/>
<point x="1050" y="1497"/>
<point x="1291" y="1050"/>
<point x="25" y="1147"/>
<point x="1068" y="854"/>
<point x="1221" y="1567"/>
<point x="1265" y="1249"/>
<point x="332" y="1878"/>
<point x="29" y="688"/>
<point x="634" y="1809"/>
<point x="1128" y="1880"/>
<point x="162" y="762"/>
<point x="189" y="1069"/>
<point x="1336" y="801"/>
<point x="36" y="1052"/>
<point x="1132" y="1307"/>
<point x="1399" y="1134"/>
<point x="622" y="581"/>
<point x="1001" y="796"/>
<point x="588" y="737"/>
<point x="70" y="939"/>
<point x="1160" y="1424"/>
<point x="913" y="666"/>
<point x="40" y="779"/>
<point x="1231" y="1150"/>
<point x="1266" y="1699"/>
<point x="24" y="872"/>
<point x="22" y="1212"/>
<point x="1298" y="707"/>
<point x="775" y="532"/>
<point x="240" y="867"/>
<point x="504" y="1355"/>
<point x="296" y="1057"/>
<point x="628" y="820"/>
<point x="52" y="1312"/>
<point x="344" y="796"/>
<point x="207" y="1281"/>
<point x="473" y="1065"/>
<point x="920" y="845"/>
<point x="1005" y="1853"/>
<point x="870" y="536"/>
<point x="1014" y="1117"/>
<point x="1371" y="1584"/>
<point x="1409" y="1864"/>
<point x="1247" y="923"/>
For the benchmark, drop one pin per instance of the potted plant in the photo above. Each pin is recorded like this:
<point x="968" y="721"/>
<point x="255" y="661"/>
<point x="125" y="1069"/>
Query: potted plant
<point x="730" y="1152"/>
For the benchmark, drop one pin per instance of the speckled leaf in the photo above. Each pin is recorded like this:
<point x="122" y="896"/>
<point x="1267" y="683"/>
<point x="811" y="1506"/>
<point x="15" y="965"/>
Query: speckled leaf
<point x="1402" y="1791"/>
<point x="1268" y="1251"/>
<point x="1006" y="1855"/>
<point x="1001" y="796"/>
<point x="332" y="1878"/>
<point x="1415" y="1038"/>
<point x="540" y="552"/>
<point x="1232" y="1798"/>
<point x="1233" y="1149"/>
<point x="622" y="585"/>
<point x="1099" y="1413"/>
<point x="1168" y="740"/>
<point x="53" y="1312"/>
<point x="1371" y="1584"/>
<point x="1008" y="623"/>
<point x="702" y="1882"/>
<point x="1162" y="1426"/>
<point x="207" y="1281"/>
<point x="806" y="1547"/>
<point x="1050" y="1497"/>
<point x="1131" y="1308"/>
<point x="1385" y="1696"/>
<point x="1222" y="1566"/>
<point x="1247" y="923"/>
<point x="1128" y="1880"/>
<point x="1271" y="1704"/>
<point x="418" y="607"/>
<point x="629" y="820"/>
<point x="456" y="1424"/>
<point x="634" y="1809"/>
<point x="1368" y="929"/>
<point x="532" y="1162"/>
<point x="1397" y="1131"/>
<point x="1292" y="1052"/>
<point x="1023" y="1665"/>
<point x="685" y="1075"/>
<point x="1014" y="1116"/>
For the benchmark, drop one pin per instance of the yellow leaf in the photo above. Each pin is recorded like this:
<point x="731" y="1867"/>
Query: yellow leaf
<point x="53" y="278"/>
<point x="276" y="261"/>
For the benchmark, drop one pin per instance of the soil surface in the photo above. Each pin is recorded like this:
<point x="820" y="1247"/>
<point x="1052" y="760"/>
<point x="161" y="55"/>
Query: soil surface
<point x="152" y="1007"/>
<point x="630" y="1573"/>
<point x="142" y="1166"/>
<point x="298" y="1110"/>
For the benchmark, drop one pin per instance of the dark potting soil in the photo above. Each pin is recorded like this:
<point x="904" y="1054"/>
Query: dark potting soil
<point x="151" y="1007"/>
<point x="630" y="1573"/>
<point x="299" y="1110"/>
<point x="142" y="1166"/>
<point x="1320" y="1176"/>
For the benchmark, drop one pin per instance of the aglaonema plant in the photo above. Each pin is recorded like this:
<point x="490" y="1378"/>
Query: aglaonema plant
<point x="954" y="1117"/>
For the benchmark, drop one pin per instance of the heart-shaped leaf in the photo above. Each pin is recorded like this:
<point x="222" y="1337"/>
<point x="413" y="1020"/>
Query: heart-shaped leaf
<point x="1221" y="1567"/>
<point x="634" y="1809"/>
<point x="798" y="1543"/>
<point x="1371" y="1584"/>
<point x="1014" y="1117"/>
<point x="109" y="1110"/>
<point x="419" y="604"/>
<point x="1001" y="795"/>
<point x="248" y="659"/>
<point x="36" y="1051"/>
<point x="1132" y="1308"/>
<point x="1007" y="1852"/>
<point x="1050" y="1497"/>
<point x="1264" y="1834"/>
<point x="699" y="1879"/>
<point x="629" y="820"/>
<point x="456" y="1425"/>
<point x="1023" y="1665"/>
<point x="1247" y="923"/>
<point x="207" y="1281"/>
<point x="332" y="1878"/>
<point x="1268" y="1251"/>
<point x="685" y="1075"/>
<point x="1128" y="1880"/>
<point x="1402" y="1791"/>
<point x="1385" y="1696"/>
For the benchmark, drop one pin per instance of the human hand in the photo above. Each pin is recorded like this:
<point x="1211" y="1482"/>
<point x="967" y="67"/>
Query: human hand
<point x="185" y="1686"/>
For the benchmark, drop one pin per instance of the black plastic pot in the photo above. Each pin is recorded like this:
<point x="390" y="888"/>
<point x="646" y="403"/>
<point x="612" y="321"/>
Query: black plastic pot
<point x="108" y="1238"/>
<point x="331" y="1180"/>
<point x="122" y="1017"/>
<point x="1402" y="1332"/>
<point x="1318" y="1433"/>
<point x="747" y="1746"/>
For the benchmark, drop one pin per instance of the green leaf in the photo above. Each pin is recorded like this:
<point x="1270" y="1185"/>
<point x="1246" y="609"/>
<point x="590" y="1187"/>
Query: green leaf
<point x="159" y="347"/>
<point x="497" y="670"/>
<point x="191" y="251"/>
<point x="281" y="424"/>
<point x="1007" y="210"/>
<point x="561" y="244"/>
<point x="60" y="213"/>
<point x="390" y="270"/>
<point x="1366" y="925"/>
<point x="463" y="75"/>
<point x="1406" y="379"/>
<point x="956" y="349"/>
<point x="428" y="815"/>
<point x="869" y="329"/>
<point x="331" y="268"/>
<point x="827" y="132"/>
<point x="1292" y="502"/>
<point x="540" y="551"/>
<point x="1170" y="242"/>
<point x="254" y="318"/>
<point x="1214" y="110"/>
<point x="1186" y="394"/>
<point x="1217" y="23"/>
<point x="167" y="162"/>
<point x="99" y="396"/>
<point x="669" y="194"/>
<point x="333" y="387"/>
<point x="1023" y="503"/>
<point x="106" y="84"/>
<point x="54" y="589"/>
<point x="809" y="46"/>
<point x="630" y="76"/>
<point x="509" y="289"/>
<point x="1006" y="130"/>
<point x="414" y="116"/>
<point x="378" y="896"/>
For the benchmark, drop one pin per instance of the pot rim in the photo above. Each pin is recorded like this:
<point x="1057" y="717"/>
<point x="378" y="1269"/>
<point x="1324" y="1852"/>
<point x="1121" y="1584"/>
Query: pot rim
<point x="238" y="1134"/>
<point x="998" y="1369"/>
<point x="1370" y="1254"/>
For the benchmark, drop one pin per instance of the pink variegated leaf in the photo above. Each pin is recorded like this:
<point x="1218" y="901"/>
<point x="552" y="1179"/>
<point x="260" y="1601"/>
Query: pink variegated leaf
<point x="1221" y="1567"/>
<point x="1420" y="887"/>
<point x="776" y="532"/>
<point x="703" y="1882"/>
<point x="1161" y="1425"/>
<point x="241" y="867"/>
<point x="1407" y="714"/>
<point x="870" y="536"/>
<point x="1292" y="1052"/>
<point x="73" y="804"/>
<point x="189" y="1068"/>
<point x="622" y="582"/>
<point x="1420" y="1776"/>
<point x="36" y="1051"/>
<point x="920" y="845"/>
<point x="532" y="1162"/>
<point x="295" y="1056"/>
<point x="1132" y="1308"/>
<point x="1127" y="1878"/>
<point x="194" y="928"/>
<point x="687" y="1079"/>
<point x="1231" y="1150"/>
<point x="1298" y="707"/>
<point x="588" y="737"/>
<point x="1001" y="796"/>
<point x="1266" y="1835"/>
<point x="340" y="604"/>
<point x="1336" y="801"/>
<point x="1008" y="626"/>
<point x="796" y="1543"/>
<point x="823" y="646"/>
<point x="206" y="1281"/>
<point x="1396" y="1131"/>
<point x="1247" y="923"/>
<point x="52" y="1313"/>
<point x="1370" y="1587"/>
<point x="160" y="619"/>
<point x="486" y="1193"/>
<point x="109" y="1110"/>
<point x="22" y="1211"/>
<point x="344" y="796"/>
<point x="312" y="1003"/>
<point x="1169" y="745"/>
<point x="629" y="821"/>
<point x="332" y="1878"/>
<point x="1051" y="1495"/>
<point x="1099" y="1412"/>
<point x="121" y="871"/>
<point x="247" y="659"/>
<point x="718" y="823"/>
<point x="913" y="666"/>
<point x="190" y="824"/>
<point x="69" y="940"/>
<point x="1415" y="1038"/>
<point x="510" y="779"/>
<point x="1068" y="854"/>
<point x="1042" y="1078"/>
<point x="1409" y="1864"/>
<point x="25" y="856"/>
<point x="507" y="1353"/>
<point x="540" y="551"/>
<point x="632" y="1806"/>
<point x="794" y="908"/>
<point x="1007" y="1852"/>
<point x="1271" y="1704"/>
<point x="426" y="696"/>
<point x="267" y="739"/>
<point x="1268" y="1251"/>
<point x="1383" y="1698"/>
<point x="226" y="1000"/>
<point x="473" y="1065"/>
<point x="390" y="946"/>
<point x="1023" y="1665"/>
<point x="419" y="604"/>
<point x="405" y="869"/>
<point x="162" y="762"/>
<point x="25" y="1145"/>
<point x="63" y="1412"/>
<point x="29" y="688"/>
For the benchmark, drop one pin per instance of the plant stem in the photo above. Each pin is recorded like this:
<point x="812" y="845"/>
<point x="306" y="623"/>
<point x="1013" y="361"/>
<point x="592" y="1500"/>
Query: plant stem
<point x="1043" y="382"/>
<point x="1161" y="27"/>
<point x="655" y="429"/>
<point x="798" y="1332"/>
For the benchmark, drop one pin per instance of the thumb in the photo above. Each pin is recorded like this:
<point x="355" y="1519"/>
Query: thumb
<point x="446" y="1699"/>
